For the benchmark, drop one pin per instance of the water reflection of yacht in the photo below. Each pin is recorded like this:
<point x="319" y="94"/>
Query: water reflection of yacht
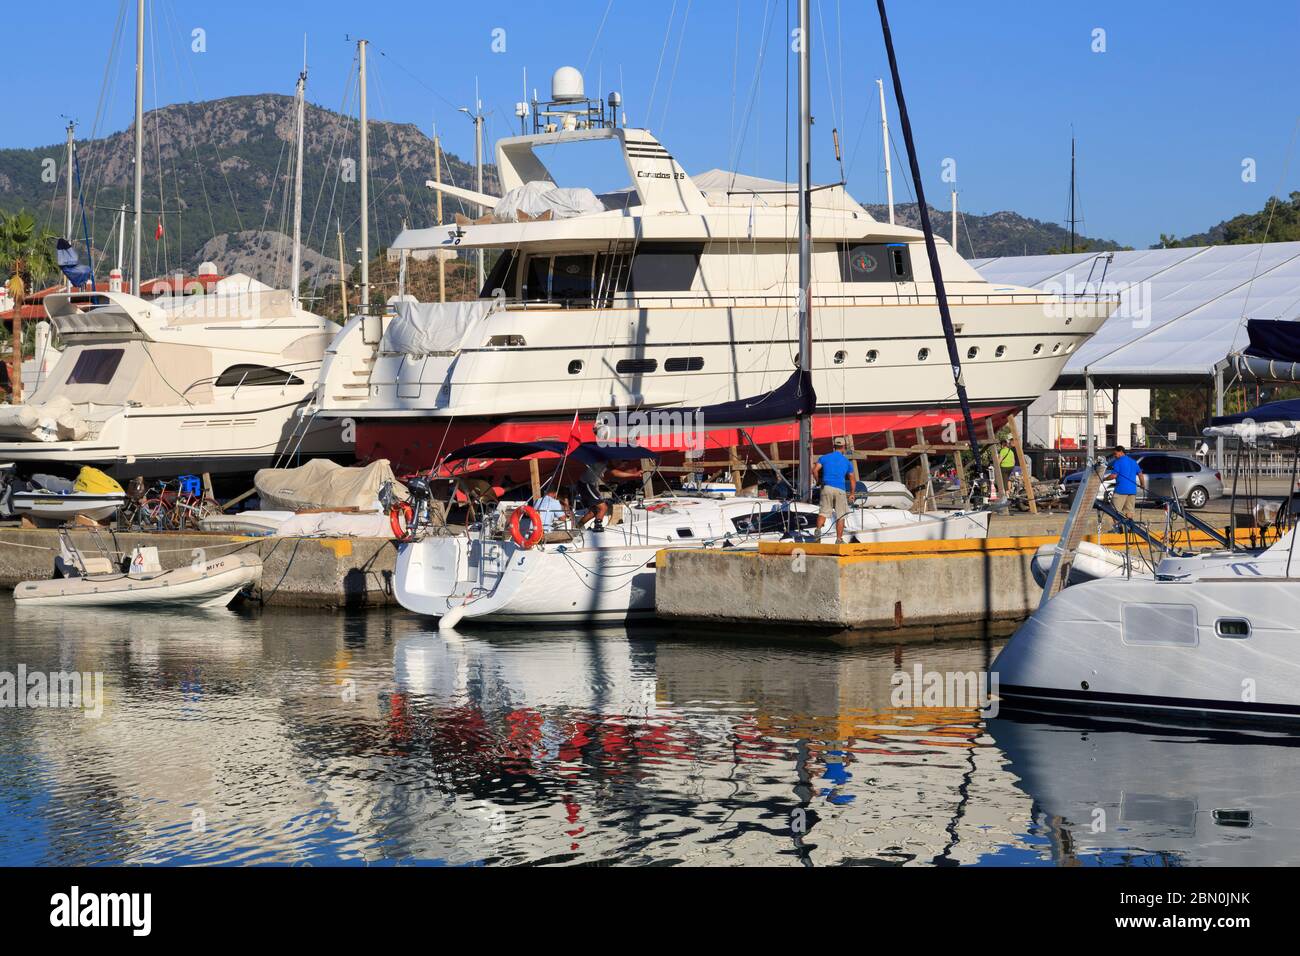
<point x="1114" y="792"/>
<point x="210" y="382"/>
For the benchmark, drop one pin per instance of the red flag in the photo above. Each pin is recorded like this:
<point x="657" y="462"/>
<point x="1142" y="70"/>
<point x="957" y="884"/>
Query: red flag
<point x="574" y="439"/>
<point x="158" y="233"/>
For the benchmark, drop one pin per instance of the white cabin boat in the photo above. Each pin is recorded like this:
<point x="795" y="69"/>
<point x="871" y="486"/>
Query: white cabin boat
<point x="212" y="382"/>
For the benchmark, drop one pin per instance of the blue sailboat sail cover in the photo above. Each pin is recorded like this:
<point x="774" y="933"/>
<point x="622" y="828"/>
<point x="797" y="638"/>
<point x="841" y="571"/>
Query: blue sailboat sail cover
<point x="66" y="255"/>
<point x="794" y="398"/>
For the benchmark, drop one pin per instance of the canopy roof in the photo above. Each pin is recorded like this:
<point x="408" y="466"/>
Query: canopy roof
<point x="1182" y="311"/>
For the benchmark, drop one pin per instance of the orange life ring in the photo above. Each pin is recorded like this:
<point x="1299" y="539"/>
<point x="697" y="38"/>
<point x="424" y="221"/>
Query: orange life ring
<point x="402" y="513"/>
<point x="535" y="535"/>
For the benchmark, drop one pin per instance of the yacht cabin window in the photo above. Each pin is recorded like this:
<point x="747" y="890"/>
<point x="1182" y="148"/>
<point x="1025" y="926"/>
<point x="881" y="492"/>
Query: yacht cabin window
<point x="585" y="279"/>
<point x="238" y="375"/>
<point x="95" y="367"/>
<point x="504" y="275"/>
<point x="875" y="262"/>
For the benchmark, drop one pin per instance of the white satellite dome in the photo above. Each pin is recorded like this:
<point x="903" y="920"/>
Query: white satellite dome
<point x="207" y="268"/>
<point x="566" y="85"/>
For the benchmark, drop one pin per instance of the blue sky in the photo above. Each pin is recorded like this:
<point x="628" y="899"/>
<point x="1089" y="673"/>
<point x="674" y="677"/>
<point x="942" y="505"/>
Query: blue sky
<point x="1183" y="93"/>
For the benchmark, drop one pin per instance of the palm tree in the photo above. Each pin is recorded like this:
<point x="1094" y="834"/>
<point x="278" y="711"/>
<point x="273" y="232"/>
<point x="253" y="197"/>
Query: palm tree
<point x="28" y="254"/>
<point x="23" y="245"/>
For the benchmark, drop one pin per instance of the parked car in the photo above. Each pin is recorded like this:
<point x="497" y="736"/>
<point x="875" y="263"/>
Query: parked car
<point x="1169" y="475"/>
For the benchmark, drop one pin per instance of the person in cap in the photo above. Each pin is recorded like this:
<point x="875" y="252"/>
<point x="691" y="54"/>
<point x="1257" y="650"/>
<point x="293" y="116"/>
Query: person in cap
<point x="836" y="474"/>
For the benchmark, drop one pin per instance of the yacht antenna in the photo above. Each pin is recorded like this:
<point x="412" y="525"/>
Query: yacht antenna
<point x="139" y="142"/>
<point x="295" y="271"/>
<point x="365" y="183"/>
<point x="954" y="220"/>
<point x="884" y="138"/>
<point x="931" y="250"/>
<point x="1073" y="220"/>
<point x="805" y="244"/>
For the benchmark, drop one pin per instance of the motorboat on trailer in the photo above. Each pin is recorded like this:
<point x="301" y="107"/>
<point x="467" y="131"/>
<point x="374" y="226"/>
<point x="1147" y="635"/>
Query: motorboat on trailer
<point x="674" y="293"/>
<point x="211" y="381"/>
<point x="492" y="572"/>
<point x="1207" y="636"/>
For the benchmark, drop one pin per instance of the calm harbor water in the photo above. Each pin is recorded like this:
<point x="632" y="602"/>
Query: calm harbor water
<point x="312" y="738"/>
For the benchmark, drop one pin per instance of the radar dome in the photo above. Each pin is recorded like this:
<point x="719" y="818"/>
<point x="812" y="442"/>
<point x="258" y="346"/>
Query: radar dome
<point x="566" y="85"/>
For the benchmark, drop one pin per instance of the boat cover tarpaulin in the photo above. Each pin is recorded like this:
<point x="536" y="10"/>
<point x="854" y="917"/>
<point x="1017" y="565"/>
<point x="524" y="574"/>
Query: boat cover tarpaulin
<point x="587" y="452"/>
<point x="431" y="328"/>
<point x="54" y="420"/>
<point x="322" y="483"/>
<point x="536" y="199"/>
<point x="66" y="255"/>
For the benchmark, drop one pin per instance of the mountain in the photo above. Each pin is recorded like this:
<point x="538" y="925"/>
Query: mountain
<point x="994" y="234"/>
<point x="225" y="167"/>
<point x="1278" y="221"/>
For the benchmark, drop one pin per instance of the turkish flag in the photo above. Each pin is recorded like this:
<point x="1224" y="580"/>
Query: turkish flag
<point x="574" y="439"/>
<point x="158" y="233"/>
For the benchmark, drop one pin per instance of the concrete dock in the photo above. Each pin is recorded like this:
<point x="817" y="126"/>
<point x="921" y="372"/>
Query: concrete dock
<point x="297" y="572"/>
<point x="903" y="589"/>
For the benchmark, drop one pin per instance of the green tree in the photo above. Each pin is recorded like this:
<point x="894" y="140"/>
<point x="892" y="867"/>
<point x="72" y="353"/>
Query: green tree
<point x="27" y="250"/>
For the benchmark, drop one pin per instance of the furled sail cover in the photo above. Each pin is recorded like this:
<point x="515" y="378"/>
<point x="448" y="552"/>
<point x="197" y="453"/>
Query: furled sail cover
<point x="793" y="398"/>
<point x="432" y="328"/>
<point x="1273" y="353"/>
<point x="66" y="255"/>
<point x="1271" y="420"/>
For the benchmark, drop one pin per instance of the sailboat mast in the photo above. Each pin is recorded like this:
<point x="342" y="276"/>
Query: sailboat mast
<point x="884" y="138"/>
<point x="67" y="213"/>
<point x="932" y="252"/>
<point x="365" y="184"/>
<point x="1072" y="194"/>
<point x="139" y="143"/>
<point x="805" y="242"/>
<point x="295" y="271"/>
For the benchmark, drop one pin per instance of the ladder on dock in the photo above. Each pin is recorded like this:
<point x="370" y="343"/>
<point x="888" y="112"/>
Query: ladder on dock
<point x="1076" y="528"/>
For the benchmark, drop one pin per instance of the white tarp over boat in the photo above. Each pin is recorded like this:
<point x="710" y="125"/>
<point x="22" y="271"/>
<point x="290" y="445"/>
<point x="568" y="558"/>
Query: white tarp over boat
<point x="324" y="484"/>
<point x="536" y="199"/>
<point x="54" y="420"/>
<point x="430" y="328"/>
<point x="1251" y="432"/>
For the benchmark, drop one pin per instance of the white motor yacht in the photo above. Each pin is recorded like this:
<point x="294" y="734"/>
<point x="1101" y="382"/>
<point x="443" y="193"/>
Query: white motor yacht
<point x="213" y="382"/>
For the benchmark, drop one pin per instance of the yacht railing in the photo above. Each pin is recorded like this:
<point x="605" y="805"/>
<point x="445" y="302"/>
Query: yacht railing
<point x="786" y="301"/>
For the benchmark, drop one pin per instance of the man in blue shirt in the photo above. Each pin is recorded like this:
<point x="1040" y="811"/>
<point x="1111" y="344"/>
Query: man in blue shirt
<point x="1128" y="476"/>
<point x="834" y="472"/>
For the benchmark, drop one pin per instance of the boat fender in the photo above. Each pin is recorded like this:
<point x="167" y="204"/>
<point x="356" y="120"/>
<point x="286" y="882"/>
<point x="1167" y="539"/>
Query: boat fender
<point x="536" y="533"/>
<point x="401" y="517"/>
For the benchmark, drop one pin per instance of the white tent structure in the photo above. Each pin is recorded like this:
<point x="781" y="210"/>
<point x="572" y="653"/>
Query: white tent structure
<point x="1183" y="312"/>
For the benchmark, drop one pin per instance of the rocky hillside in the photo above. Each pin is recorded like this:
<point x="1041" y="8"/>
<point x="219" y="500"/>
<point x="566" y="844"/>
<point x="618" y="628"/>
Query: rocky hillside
<point x="995" y="234"/>
<point x="225" y="181"/>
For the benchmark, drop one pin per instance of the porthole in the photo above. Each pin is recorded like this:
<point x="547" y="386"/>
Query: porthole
<point x="840" y="356"/>
<point x="1001" y="351"/>
<point x="1232" y="627"/>
<point x="1069" y="348"/>
<point x="922" y="355"/>
<point x="575" y="367"/>
<point x="1038" y="348"/>
<point x="872" y="356"/>
<point x="1056" y="348"/>
<point x="972" y="352"/>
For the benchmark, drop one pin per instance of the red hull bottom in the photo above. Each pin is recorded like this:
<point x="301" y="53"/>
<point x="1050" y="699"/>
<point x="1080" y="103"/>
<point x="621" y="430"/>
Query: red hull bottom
<point x="418" y="445"/>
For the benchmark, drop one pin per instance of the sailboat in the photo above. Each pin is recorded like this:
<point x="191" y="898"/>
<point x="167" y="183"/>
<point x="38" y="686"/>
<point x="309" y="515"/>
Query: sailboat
<point x="173" y="376"/>
<point x="1210" y="635"/>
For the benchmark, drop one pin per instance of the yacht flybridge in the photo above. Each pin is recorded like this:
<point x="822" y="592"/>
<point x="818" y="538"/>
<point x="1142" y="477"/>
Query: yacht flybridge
<point x="680" y="292"/>
<point x="208" y="382"/>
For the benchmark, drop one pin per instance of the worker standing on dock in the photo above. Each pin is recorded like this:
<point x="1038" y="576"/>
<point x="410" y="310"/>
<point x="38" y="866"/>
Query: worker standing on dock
<point x="1128" y="476"/>
<point x="834" y="471"/>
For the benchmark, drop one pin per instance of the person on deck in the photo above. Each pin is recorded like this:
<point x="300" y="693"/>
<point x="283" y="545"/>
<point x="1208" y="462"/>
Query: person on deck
<point x="1128" y="477"/>
<point x="836" y="474"/>
<point x="551" y="509"/>
<point x="591" y="491"/>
